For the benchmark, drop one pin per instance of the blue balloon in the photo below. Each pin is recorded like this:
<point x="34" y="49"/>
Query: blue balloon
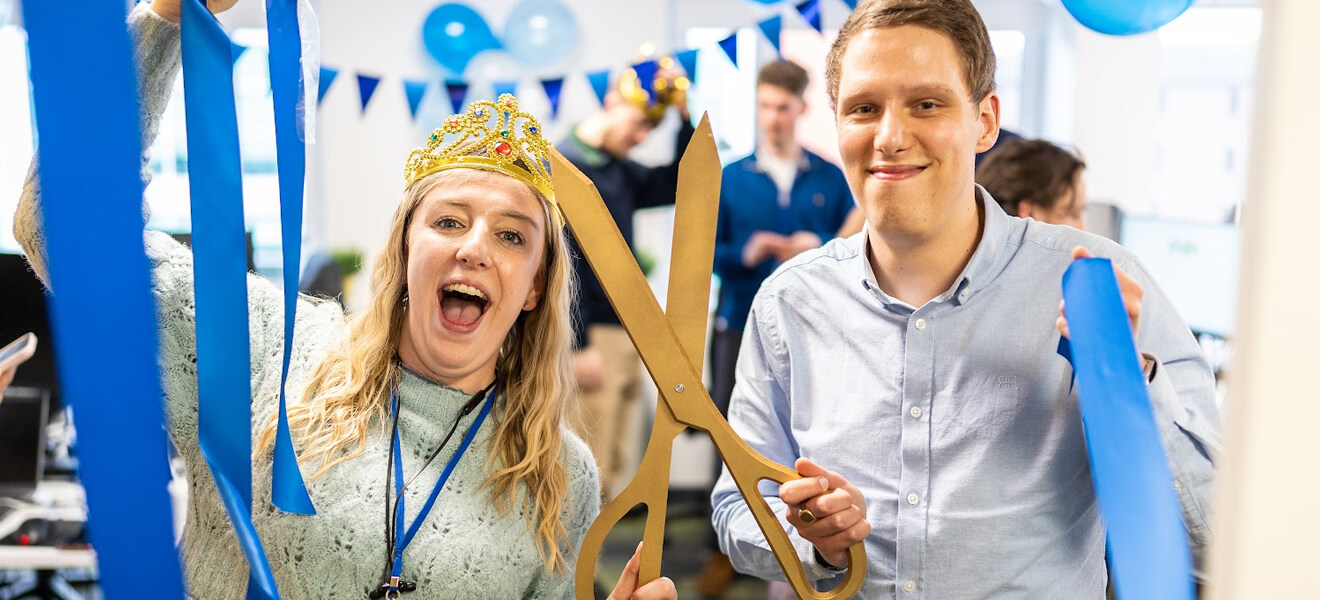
<point x="540" y="33"/>
<point x="454" y="33"/>
<point x="1125" y="17"/>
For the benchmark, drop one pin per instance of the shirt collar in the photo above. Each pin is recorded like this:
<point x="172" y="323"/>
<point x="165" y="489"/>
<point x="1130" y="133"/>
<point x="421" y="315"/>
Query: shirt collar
<point x="986" y="262"/>
<point x="803" y="162"/>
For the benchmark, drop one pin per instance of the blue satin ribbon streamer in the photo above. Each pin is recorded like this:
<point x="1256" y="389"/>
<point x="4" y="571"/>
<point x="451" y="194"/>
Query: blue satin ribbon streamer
<point x="103" y="313"/>
<point x="224" y="386"/>
<point x="288" y="493"/>
<point x="810" y="10"/>
<point x="1149" y="554"/>
<point x="772" y="28"/>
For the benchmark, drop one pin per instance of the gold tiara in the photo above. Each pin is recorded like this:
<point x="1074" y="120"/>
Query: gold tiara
<point x="509" y="136"/>
<point x="657" y="95"/>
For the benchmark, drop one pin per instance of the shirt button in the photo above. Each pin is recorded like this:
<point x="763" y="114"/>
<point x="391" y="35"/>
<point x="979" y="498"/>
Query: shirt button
<point x="913" y="499"/>
<point x="921" y="323"/>
<point x="909" y="586"/>
<point x="916" y="412"/>
<point x="964" y="293"/>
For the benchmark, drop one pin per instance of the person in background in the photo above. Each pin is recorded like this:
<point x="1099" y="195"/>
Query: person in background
<point x="606" y="365"/>
<point x="774" y="204"/>
<point x="1038" y="180"/>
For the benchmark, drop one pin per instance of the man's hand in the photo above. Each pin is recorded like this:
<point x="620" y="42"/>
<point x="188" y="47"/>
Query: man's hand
<point x="797" y="244"/>
<point x="588" y="369"/>
<point x="660" y="589"/>
<point x="1128" y="288"/>
<point x="762" y="245"/>
<point x="170" y="11"/>
<point x="837" y="505"/>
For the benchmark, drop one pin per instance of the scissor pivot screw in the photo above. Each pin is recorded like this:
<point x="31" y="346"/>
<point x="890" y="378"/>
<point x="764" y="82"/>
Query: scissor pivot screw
<point x="678" y="388"/>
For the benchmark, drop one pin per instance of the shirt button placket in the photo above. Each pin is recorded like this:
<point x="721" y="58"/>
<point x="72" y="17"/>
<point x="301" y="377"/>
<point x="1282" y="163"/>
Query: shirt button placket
<point x="918" y="390"/>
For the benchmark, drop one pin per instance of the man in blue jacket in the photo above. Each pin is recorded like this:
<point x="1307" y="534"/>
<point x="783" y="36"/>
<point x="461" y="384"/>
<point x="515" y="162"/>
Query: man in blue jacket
<point x="774" y="204"/>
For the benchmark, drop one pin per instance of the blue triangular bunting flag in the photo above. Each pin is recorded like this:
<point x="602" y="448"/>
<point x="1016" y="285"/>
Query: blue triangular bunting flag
<point x="810" y="10"/>
<point x="414" y="90"/>
<point x="457" y="91"/>
<point x="600" y="83"/>
<point x="327" y="77"/>
<point x="688" y="58"/>
<point x="730" y="47"/>
<point x="646" y="74"/>
<point x="851" y="4"/>
<point x="505" y="87"/>
<point x="553" y="87"/>
<point x="771" y="28"/>
<point x="366" y="88"/>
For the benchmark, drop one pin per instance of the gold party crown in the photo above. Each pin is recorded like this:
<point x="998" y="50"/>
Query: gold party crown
<point x="509" y="136"/>
<point x="658" y="96"/>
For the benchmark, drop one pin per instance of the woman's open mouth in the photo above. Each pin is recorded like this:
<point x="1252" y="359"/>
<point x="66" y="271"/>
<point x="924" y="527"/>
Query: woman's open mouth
<point x="462" y="306"/>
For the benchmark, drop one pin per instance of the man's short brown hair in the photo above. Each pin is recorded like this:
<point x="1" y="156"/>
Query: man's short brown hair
<point x="1032" y="171"/>
<point x="957" y="19"/>
<point x="784" y="74"/>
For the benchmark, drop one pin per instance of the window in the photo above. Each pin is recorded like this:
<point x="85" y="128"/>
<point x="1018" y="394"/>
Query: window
<point x="16" y="121"/>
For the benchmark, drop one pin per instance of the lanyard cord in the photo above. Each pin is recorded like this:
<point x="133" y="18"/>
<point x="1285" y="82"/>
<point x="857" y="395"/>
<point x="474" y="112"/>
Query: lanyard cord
<point x="394" y="469"/>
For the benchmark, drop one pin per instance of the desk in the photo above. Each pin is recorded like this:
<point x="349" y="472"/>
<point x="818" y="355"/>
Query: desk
<point x="43" y="561"/>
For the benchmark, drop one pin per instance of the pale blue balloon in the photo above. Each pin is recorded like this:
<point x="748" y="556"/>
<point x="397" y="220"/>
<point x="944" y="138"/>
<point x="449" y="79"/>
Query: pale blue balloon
<point x="454" y="33"/>
<point x="540" y="32"/>
<point x="1125" y="17"/>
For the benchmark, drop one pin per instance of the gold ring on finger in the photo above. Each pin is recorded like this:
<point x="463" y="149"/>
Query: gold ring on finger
<point x="806" y="516"/>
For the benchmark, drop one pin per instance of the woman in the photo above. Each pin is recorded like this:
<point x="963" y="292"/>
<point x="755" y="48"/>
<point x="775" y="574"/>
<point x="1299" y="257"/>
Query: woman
<point x="469" y="320"/>
<point x="1036" y="179"/>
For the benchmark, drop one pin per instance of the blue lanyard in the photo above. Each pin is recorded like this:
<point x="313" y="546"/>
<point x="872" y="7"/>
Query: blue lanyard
<point x="399" y="545"/>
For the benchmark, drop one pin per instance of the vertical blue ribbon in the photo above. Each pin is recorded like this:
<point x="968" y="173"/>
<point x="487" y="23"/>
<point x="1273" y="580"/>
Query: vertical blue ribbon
<point x="505" y="87"/>
<point x="730" y="47"/>
<point x="220" y="279"/>
<point x="553" y="89"/>
<point x="414" y="90"/>
<point x="288" y="493"/>
<point x="327" y="77"/>
<point x="688" y="58"/>
<point x="103" y="314"/>
<point x="1149" y="554"/>
<point x="810" y="10"/>
<point x="600" y="83"/>
<point x="457" y="92"/>
<point x="366" y="88"/>
<point x="772" y="28"/>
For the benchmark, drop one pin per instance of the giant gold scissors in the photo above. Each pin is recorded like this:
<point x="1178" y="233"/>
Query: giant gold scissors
<point x="671" y="344"/>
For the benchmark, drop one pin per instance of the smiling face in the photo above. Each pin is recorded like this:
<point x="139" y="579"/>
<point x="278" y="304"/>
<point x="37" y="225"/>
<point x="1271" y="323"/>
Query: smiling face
<point x="908" y="129"/>
<point x="475" y="245"/>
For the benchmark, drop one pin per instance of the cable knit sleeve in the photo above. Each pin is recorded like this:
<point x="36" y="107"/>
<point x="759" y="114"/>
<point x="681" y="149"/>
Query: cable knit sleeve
<point x="156" y="51"/>
<point x="580" y="510"/>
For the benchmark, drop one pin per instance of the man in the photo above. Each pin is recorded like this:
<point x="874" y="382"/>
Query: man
<point x="774" y="205"/>
<point x="606" y="364"/>
<point x="919" y="361"/>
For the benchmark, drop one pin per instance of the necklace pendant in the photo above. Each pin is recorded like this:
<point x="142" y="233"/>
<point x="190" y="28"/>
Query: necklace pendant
<point x="392" y="589"/>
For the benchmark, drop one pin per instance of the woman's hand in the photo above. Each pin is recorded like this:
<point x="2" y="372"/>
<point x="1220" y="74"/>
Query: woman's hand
<point x="170" y="11"/>
<point x="660" y="589"/>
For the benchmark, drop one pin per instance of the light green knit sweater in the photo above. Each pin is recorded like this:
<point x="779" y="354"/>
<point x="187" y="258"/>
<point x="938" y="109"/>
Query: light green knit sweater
<point x="466" y="547"/>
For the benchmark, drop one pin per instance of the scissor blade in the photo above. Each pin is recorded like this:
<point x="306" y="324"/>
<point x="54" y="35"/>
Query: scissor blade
<point x="696" y="209"/>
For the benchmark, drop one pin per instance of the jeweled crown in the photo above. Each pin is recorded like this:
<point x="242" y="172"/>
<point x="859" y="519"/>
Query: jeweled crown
<point x="512" y="139"/>
<point x="656" y="96"/>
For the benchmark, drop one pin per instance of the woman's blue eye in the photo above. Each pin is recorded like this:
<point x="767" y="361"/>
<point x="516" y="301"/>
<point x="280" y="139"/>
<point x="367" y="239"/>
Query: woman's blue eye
<point x="447" y="223"/>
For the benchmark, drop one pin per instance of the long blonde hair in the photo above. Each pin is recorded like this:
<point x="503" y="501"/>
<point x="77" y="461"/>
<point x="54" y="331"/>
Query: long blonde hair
<point x="351" y="386"/>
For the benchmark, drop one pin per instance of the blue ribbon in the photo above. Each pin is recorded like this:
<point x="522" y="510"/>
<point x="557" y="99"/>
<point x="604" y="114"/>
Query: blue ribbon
<point x="772" y="28"/>
<point x="810" y="10"/>
<point x="414" y="90"/>
<point x="103" y="315"/>
<point x="730" y="47"/>
<point x="327" y="77"/>
<point x="600" y="83"/>
<point x="288" y="493"/>
<point x="366" y="88"/>
<point x="1149" y="554"/>
<point x="688" y="58"/>
<point x="220" y="279"/>
<point x="553" y="89"/>
<point x="238" y="50"/>
<point x="457" y="92"/>
<point x="505" y="87"/>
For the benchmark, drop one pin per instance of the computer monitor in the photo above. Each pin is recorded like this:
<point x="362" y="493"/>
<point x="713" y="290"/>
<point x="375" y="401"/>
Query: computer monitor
<point x="186" y="239"/>
<point x="23" y="415"/>
<point x="1195" y="264"/>
<point x="23" y="308"/>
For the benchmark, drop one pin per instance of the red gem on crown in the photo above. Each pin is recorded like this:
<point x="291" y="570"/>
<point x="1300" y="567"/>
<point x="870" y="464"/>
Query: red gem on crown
<point x="503" y="148"/>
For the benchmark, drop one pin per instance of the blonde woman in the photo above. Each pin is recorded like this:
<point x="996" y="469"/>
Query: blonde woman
<point x="468" y="333"/>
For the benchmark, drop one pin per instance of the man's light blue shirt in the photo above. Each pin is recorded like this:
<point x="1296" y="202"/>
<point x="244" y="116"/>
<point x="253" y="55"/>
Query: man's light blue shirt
<point x="958" y="420"/>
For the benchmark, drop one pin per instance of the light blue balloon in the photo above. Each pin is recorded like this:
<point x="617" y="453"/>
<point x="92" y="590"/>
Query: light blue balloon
<point x="540" y="32"/>
<point x="454" y="33"/>
<point x="1125" y="17"/>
